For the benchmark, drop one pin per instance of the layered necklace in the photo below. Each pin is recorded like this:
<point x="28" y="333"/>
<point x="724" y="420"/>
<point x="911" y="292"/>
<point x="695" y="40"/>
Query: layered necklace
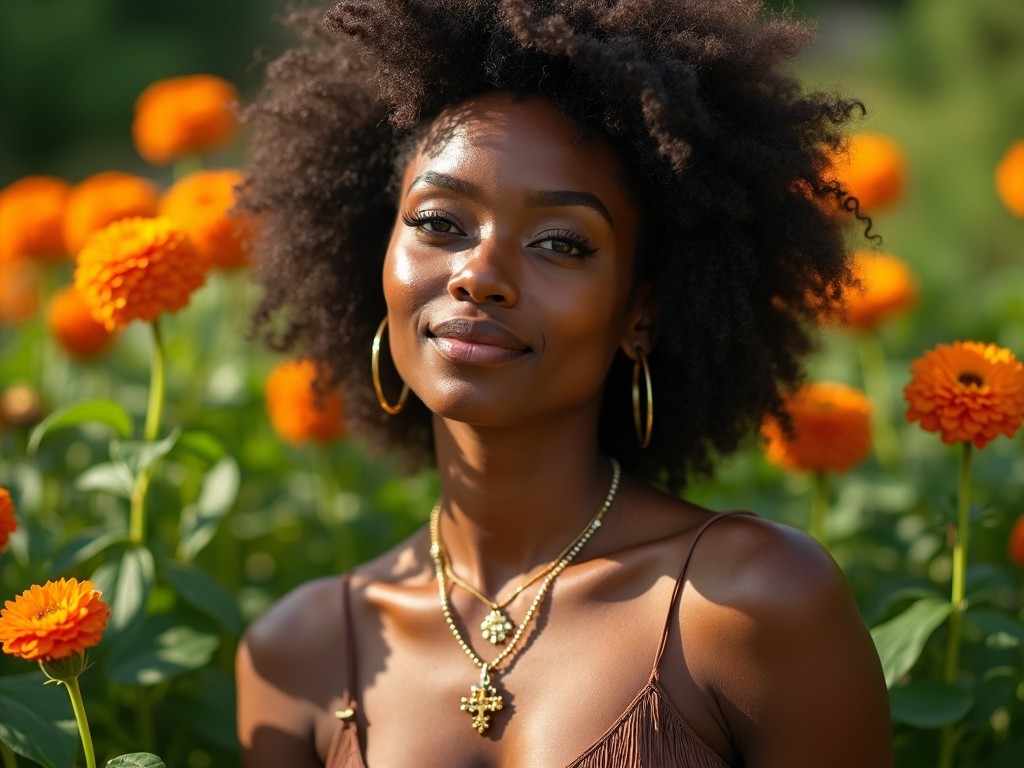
<point x="484" y="698"/>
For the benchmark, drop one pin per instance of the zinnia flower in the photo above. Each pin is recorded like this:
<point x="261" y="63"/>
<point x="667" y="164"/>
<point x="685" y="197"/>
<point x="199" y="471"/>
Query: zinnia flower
<point x="31" y="217"/>
<point x="7" y="522"/>
<point x="831" y="425"/>
<point x="74" y="327"/>
<point x="200" y="203"/>
<point x="1010" y="179"/>
<point x="53" y="621"/>
<point x="967" y="391"/>
<point x="296" y="413"/>
<point x="1015" y="544"/>
<point x="184" y="115"/>
<point x="872" y="170"/>
<point x="19" y="290"/>
<point x="886" y="288"/>
<point x="135" y="269"/>
<point x="104" y="198"/>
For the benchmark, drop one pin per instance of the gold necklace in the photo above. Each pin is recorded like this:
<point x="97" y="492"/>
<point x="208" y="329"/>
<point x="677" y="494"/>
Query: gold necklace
<point x="484" y="699"/>
<point x="496" y="626"/>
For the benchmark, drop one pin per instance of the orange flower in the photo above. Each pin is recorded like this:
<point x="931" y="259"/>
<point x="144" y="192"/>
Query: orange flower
<point x="136" y="269"/>
<point x="1015" y="545"/>
<point x="31" y="216"/>
<point x="1010" y="179"/>
<point x="53" y="621"/>
<point x="104" y="198"/>
<point x="21" y="406"/>
<point x="887" y="288"/>
<point x="872" y="170"/>
<point x="968" y="391"/>
<point x="184" y="115"/>
<point x="200" y="203"/>
<point x="296" y="413"/>
<point x="7" y="521"/>
<point x="74" y="327"/>
<point x="831" y="425"/>
<point x="19" y="290"/>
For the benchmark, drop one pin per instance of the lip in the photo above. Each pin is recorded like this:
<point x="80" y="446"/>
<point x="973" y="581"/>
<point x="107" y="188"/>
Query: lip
<point x="476" y="342"/>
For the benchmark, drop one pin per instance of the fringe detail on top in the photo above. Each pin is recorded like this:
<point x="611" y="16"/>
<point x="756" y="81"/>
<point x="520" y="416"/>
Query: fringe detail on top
<point x="650" y="733"/>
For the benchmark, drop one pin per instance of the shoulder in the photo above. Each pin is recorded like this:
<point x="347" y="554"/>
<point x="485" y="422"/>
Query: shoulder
<point x="298" y="621"/>
<point x="771" y="630"/>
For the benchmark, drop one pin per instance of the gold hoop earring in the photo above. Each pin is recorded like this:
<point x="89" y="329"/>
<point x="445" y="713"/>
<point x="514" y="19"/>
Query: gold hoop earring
<point x="375" y="370"/>
<point x="642" y="423"/>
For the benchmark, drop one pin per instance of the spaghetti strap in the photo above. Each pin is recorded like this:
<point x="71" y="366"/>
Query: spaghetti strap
<point x="349" y="664"/>
<point x="679" y="583"/>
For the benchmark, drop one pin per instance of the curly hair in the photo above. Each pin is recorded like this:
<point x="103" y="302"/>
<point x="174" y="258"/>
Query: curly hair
<point x="743" y="241"/>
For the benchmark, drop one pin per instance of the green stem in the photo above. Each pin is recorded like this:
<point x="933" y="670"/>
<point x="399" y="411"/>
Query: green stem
<point x="9" y="758"/>
<point x="876" y="382"/>
<point x="157" y="385"/>
<point x="819" y="506"/>
<point x="83" y="723"/>
<point x="957" y="595"/>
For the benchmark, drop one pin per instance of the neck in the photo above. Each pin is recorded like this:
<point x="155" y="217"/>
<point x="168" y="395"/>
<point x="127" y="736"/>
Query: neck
<point x="513" y="499"/>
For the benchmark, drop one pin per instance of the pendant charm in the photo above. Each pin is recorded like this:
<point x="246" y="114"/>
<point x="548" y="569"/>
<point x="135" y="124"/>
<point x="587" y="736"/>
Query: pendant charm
<point x="495" y="627"/>
<point x="482" y="700"/>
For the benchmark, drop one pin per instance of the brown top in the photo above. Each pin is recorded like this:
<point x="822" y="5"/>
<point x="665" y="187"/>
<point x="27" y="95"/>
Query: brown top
<point x="651" y="732"/>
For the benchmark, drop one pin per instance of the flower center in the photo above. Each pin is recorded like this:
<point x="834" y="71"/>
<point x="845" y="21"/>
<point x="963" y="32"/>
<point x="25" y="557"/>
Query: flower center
<point x="970" y="379"/>
<point x="46" y="612"/>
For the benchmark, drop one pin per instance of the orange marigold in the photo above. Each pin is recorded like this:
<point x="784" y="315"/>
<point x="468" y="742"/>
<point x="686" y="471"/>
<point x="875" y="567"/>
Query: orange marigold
<point x="53" y="621"/>
<point x="831" y="426"/>
<point x="74" y="327"/>
<point x="104" y="198"/>
<point x="886" y="287"/>
<point x="872" y="169"/>
<point x="184" y="115"/>
<point x="201" y="203"/>
<point x="967" y="391"/>
<point x="1015" y="544"/>
<point x="1010" y="179"/>
<point x="296" y="413"/>
<point x="31" y="217"/>
<point x="137" y="268"/>
<point x="19" y="290"/>
<point x="7" y="522"/>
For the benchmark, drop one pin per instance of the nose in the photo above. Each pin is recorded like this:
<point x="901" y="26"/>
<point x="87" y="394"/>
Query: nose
<point x="487" y="274"/>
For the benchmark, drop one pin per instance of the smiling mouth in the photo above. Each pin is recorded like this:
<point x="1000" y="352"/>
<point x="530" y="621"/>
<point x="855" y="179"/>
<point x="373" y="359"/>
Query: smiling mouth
<point x="476" y="342"/>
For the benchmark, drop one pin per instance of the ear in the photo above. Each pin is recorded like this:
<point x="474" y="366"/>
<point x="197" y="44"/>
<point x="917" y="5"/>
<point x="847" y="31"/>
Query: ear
<point x="642" y="322"/>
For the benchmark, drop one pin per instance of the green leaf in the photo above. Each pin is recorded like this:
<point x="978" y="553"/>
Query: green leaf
<point x="106" y="412"/>
<point x="201" y="444"/>
<point x="199" y="590"/>
<point x="993" y="691"/>
<point x="31" y="736"/>
<point x="900" y="640"/>
<point x="137" y="455"/>
<point x="82" y="547"/>
<point x="199" y="521"/>
<point x="161" y="649"/>
<point x="208" y="707"/>
<point x="109" y="477"/>
<point x="1000" y="631"/>
<point x="928" y="704"/>
<point x="125" y="583"/>
<point x="137" y="760"/>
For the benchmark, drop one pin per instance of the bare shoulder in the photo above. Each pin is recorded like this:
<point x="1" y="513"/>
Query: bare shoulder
<point x="299" y="622"/>
<point x="772" y="632"/>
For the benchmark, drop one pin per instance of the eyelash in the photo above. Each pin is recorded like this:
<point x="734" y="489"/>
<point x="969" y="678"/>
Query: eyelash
<point x="576" y="241"/>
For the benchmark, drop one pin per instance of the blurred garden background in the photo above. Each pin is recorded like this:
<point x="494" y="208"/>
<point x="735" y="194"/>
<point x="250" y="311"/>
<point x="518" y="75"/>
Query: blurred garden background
<point x="247" y="491"/>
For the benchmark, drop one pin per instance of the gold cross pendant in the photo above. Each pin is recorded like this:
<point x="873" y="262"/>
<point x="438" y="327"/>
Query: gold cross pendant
<point x="482" y="700"/>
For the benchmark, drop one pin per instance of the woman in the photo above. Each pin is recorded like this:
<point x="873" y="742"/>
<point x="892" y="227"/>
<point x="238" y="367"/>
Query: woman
<point x="577" y="211"/>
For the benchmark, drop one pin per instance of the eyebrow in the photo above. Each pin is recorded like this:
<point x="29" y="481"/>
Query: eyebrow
<point x="547" y="199"/>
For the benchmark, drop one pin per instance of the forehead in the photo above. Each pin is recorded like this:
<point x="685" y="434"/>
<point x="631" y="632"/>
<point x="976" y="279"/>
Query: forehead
<point x="521" y="141"/>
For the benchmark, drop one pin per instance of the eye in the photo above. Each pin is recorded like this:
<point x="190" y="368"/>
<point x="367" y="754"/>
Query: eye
<point x="433" y="223"/>
<point x="565" y="243"/>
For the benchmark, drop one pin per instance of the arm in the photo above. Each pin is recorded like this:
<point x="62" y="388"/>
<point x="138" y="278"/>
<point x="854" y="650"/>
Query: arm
<point x="284" y="676"/>
<point x="794" y="673"/>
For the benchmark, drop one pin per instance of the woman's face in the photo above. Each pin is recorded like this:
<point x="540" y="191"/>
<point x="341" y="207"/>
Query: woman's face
<point x="508" y="275"/>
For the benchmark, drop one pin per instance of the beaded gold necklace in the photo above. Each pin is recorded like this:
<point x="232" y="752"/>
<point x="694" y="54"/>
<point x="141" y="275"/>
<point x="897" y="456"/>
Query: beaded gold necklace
<point x="483" y="698"/>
